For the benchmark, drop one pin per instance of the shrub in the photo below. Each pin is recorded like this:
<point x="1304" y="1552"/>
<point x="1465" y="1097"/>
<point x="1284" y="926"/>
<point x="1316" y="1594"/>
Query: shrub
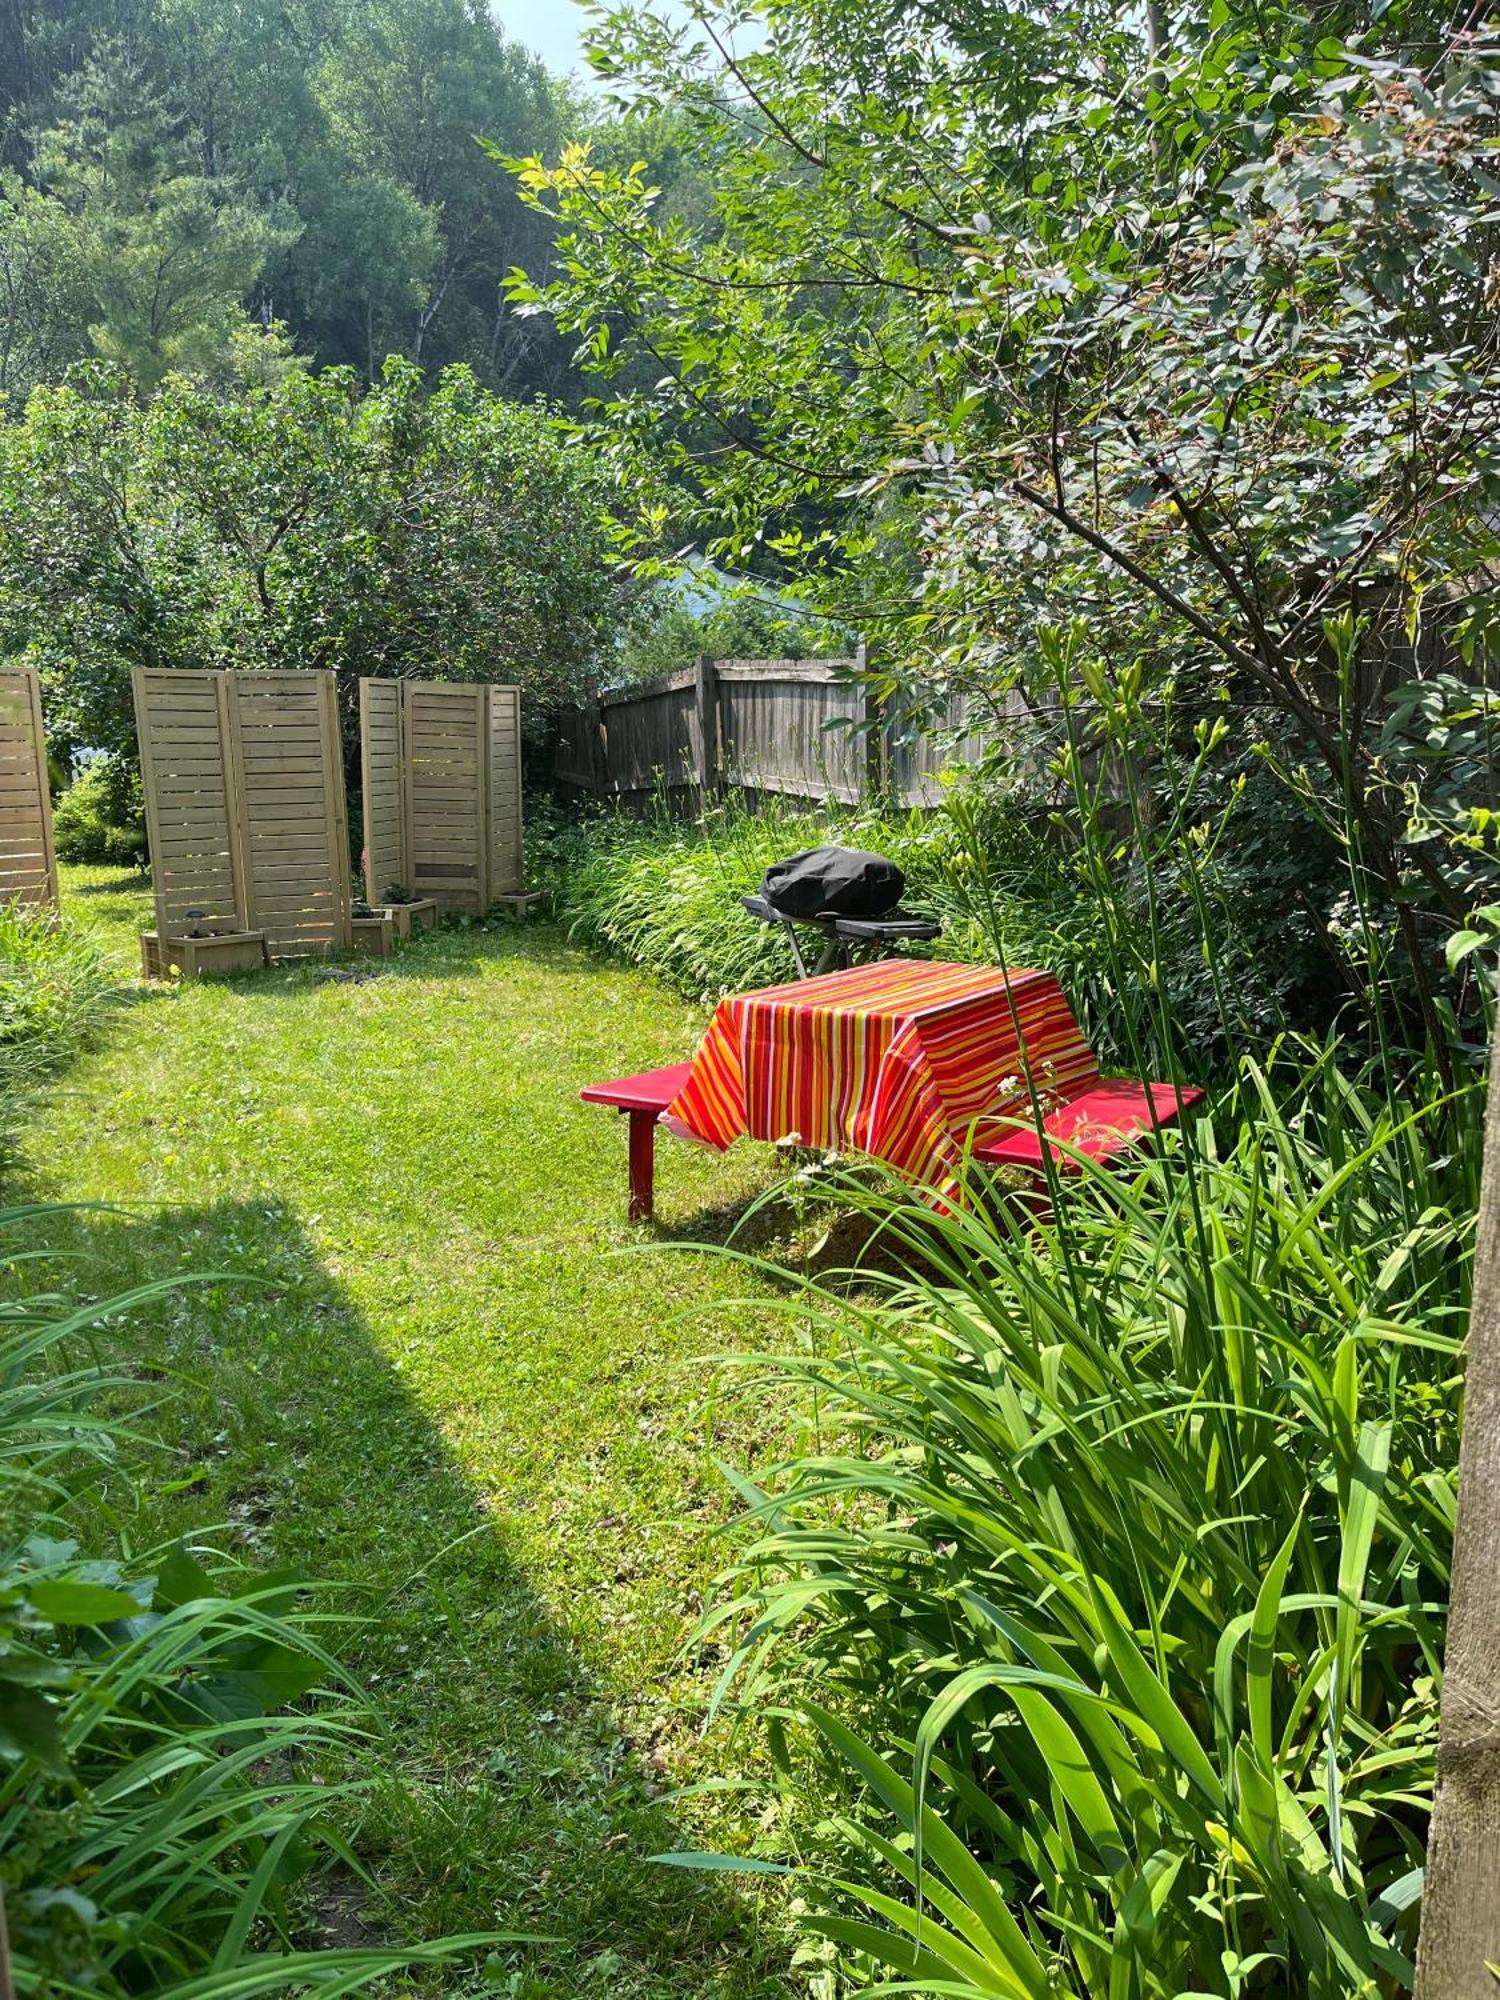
<point x="1114" y="1566"/>
<point x="300" y="523"/>
<point x="667" y="635"/>
<point x="99" y="817"/>
<point x="177" y="1734"/>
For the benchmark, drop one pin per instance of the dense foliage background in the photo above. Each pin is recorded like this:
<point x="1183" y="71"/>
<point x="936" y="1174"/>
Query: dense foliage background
<point x="177" y="176"/>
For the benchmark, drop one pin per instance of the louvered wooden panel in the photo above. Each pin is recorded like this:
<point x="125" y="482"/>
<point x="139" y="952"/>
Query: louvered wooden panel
<point x="245" y="810"/>
<point x="442" y="776"/>
<point x="28" y="867"/>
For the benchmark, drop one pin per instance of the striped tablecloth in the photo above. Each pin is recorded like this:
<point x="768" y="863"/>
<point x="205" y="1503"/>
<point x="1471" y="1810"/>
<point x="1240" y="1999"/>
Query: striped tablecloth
<point x="902" y="1059"/>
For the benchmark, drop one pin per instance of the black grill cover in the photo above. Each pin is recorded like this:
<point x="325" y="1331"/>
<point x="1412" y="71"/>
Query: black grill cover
<point x="840" y="880"/>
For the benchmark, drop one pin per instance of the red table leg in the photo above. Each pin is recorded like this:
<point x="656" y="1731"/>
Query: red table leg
<point x="642" y="1164"/>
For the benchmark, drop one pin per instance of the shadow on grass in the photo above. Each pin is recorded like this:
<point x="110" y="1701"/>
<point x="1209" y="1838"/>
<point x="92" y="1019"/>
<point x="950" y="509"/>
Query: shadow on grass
<point x="126" y="883"/>
<point x="512" y="1796"/>
<point x="451" y="951"/>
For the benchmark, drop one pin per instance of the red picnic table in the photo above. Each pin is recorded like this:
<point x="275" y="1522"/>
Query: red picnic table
<point x="910" y="1061"/>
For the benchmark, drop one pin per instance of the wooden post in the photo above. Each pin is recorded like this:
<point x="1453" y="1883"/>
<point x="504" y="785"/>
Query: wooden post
<point x="642" y="1165"/>
<point x="1460" y="1934"/>
<point x="335" y="811"/>
<point x="875" y="767"/>
<point x="236" y="809"/>
<point x="706" y="691"/>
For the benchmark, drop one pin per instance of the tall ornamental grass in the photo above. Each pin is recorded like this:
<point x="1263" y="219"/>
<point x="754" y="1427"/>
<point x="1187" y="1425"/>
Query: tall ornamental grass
<point x="179" y="1740"/>
<point x="1110" y="1569"/>
<point x="54" y="985"/>
<point x="663" y="893"/>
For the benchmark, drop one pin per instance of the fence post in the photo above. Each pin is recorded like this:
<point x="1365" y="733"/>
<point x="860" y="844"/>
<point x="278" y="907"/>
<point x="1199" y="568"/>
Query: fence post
<point x="876" y="764"/>
<point x="598" y="748"/>
<point x="706" y="692"/>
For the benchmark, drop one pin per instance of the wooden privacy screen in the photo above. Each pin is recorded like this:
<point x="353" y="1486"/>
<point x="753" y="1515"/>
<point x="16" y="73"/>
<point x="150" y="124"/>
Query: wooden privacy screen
<point x="245" y="808"/>
<point x="441" y="767"/>
<point x="28" y="868"/>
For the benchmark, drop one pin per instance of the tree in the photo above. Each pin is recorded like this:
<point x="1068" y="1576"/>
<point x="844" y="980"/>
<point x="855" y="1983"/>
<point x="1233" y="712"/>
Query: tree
<point x="1460" y="1940"/>
<point x="45" y="304"/>
<point x="163" y="255"/>
<point x="411" y="93"/>
<point x="1004" y="314"/>
<point x="314" y="165"/>
<point x="367" y="264"/>
<point x="299" y="523"/>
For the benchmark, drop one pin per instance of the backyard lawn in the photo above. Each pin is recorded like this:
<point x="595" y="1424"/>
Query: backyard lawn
<point x="449" y="1387"/>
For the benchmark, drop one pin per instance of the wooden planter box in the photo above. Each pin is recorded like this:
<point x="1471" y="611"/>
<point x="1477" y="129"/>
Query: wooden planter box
<point x="409" y="917"/>
<point x="373" y="936"/>
<point x="203" y="957"/>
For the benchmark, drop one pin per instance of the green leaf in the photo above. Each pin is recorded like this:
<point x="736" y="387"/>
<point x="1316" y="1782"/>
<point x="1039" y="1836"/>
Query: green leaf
<point x="29" y="1727"/>
<point x="62" y="1601"/>
<point x="720" y="1864"/>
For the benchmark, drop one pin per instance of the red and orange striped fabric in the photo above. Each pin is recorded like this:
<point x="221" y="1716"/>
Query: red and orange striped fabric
<point x="902" y="1059"/>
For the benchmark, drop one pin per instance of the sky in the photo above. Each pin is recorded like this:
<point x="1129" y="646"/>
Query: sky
<point x="553" y="28"/>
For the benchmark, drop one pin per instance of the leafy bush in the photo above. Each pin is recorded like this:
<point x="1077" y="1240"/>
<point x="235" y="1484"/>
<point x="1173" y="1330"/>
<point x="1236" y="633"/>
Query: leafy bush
<point x="302" y="523"/>
<point x="99" y="817"/>
<point x="1114" y="1566"/>
<point x="177" y="1734"/>
<point x="668" y="636"/>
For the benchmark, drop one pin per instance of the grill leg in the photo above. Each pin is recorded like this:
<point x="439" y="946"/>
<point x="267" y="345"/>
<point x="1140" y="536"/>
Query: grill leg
<point x="642" y="1165"/>
<point x="791" y="938"/>
<point x="834" y="958"/>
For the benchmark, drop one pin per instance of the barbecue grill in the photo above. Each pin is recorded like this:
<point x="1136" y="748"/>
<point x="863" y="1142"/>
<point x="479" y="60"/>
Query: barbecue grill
<point x="867" y="919"/>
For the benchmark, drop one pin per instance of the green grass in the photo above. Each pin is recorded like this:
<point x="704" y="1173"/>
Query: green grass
<point x="450" y="1389"/>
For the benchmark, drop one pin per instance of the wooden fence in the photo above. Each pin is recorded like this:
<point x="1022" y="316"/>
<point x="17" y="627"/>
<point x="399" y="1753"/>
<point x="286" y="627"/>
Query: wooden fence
<point x="441" y="773"/>
<point x="807" y="729"/>
<point x="28" y="866"/>
<point x="245" y="813"/>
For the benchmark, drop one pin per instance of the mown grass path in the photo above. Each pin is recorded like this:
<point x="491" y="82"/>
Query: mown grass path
<point x="450" y="1390"/>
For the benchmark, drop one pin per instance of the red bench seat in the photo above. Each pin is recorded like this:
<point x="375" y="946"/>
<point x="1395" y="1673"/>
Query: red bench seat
<point x="1105" y="1119"/>
<point x="643" y="1098"/>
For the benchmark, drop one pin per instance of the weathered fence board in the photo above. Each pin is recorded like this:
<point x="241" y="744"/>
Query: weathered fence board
<point x="245" y="813"/>
<point x="807" y="729"/>
<point x="28" y="866"/>
<point x="441" y="765"/>
<point x="799" y="727"/>
<point x="653" y="735"/>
